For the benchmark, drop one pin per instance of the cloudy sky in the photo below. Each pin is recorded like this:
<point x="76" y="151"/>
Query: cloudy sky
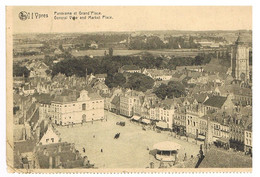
<point x="132" y="19"/>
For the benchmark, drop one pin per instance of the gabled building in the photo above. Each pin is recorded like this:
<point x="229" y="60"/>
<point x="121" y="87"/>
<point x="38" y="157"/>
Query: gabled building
<point x="216" y="103"/>
<point x="50" y="136"/>
<point x="129" y="69"/>
<point x="71" y="109"/>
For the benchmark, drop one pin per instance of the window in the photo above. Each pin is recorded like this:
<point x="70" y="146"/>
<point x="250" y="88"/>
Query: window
<point x="52" y="140"/>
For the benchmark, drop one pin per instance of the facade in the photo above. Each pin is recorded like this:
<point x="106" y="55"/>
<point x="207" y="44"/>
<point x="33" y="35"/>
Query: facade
<point x="163" y="112"/>
<point x="126" y="105"/>
<point x="50" y="136"/>
<point x="65" y="110"/>
<point x="129" y="69"/>
<point x="240" y="60"/>
<point x="179" y="121"/>
<point x="248" y="141"/>
<point x="192" y="123"/>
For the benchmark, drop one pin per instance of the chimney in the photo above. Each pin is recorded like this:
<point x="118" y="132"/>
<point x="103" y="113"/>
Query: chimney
<point x="50" y="162"/>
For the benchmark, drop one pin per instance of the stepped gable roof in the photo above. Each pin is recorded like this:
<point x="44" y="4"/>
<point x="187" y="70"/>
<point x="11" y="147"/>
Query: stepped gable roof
<point x="215" y="101"/>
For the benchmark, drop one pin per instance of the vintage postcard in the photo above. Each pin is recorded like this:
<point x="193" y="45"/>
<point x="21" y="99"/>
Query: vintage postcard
<point x="129" y="89"/>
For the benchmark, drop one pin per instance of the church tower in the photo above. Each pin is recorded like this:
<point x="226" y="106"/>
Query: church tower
<point x="240" y="59"/>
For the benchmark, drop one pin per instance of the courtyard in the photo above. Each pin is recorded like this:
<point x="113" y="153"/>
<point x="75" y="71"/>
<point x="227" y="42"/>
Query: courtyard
<point x="130" y="150"/>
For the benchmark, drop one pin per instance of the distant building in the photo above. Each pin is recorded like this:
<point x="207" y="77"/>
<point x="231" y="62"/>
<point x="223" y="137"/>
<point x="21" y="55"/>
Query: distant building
<point x="93" y="45"/>
<point x="38" y="69"/>
<point x="240" y="59"/>
<point x="101" y="77"/>
<point x="248" y="139"/>
<point x="129" y="69"/>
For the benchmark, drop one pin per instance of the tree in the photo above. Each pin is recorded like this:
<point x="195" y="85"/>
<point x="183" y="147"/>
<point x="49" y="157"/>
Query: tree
<point x="115" y="80"/>
<point x="171" y="90"/>
<point x="139" y="82"/>
<point x="110" y="52"/>
<point x="20" y="71"/>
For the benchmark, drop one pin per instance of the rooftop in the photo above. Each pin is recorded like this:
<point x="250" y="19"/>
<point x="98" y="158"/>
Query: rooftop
<point x="215" y="101"/>
<point x="216" y="158"/>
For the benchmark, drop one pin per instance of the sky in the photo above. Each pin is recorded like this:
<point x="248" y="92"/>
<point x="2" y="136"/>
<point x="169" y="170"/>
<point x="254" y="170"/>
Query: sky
<point x="130" y="18"/>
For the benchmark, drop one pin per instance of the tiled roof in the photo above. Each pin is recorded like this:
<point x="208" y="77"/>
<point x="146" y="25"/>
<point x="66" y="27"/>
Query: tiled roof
<point x="24" y="146"/>
<point x="116" y="100"/>
<point x="215" y="101"/>
<point x="216" y="158"/>
<point x="200" y="97"/>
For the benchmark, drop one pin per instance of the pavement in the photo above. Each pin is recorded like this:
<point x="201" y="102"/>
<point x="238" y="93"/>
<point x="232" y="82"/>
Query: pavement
<point x="130" y="150"/>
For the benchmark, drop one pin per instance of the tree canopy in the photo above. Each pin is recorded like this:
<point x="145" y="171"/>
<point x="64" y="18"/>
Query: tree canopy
<point x="172" y="89"/>
<point x="20" y="71"/>
<point x="139" y="82"/>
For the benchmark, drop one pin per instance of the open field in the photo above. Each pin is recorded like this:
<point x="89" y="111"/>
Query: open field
<point x="31" y="57"/>
<point x="129" y="151"/>
<point x="175" y="52"/>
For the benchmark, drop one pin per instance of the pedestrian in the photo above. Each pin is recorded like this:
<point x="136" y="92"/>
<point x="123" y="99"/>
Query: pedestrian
<point x="94" y="136"/>
<point x="185" y="157"/>
<point x="101" y="150"/>
<point x="84" y="150"/>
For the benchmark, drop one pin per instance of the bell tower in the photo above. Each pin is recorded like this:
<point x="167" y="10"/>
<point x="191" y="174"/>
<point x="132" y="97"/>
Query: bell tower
<point x="240" y="59"/>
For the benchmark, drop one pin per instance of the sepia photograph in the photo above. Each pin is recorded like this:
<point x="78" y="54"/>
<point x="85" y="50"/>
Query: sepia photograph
<point x="129" y="89"/>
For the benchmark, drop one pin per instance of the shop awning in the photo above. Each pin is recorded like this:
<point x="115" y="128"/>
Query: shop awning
<point x="136" y="118"/>
<point x="161" y="124"/>
<point x="202" y="137"/>
<point x="146" y="121"/>
<point x="223" y="140"/>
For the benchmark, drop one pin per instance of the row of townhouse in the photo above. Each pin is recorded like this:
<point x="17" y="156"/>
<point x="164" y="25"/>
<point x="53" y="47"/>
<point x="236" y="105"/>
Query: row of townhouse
<point x="197" y="117"/>
<point x="217" y="120"/>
